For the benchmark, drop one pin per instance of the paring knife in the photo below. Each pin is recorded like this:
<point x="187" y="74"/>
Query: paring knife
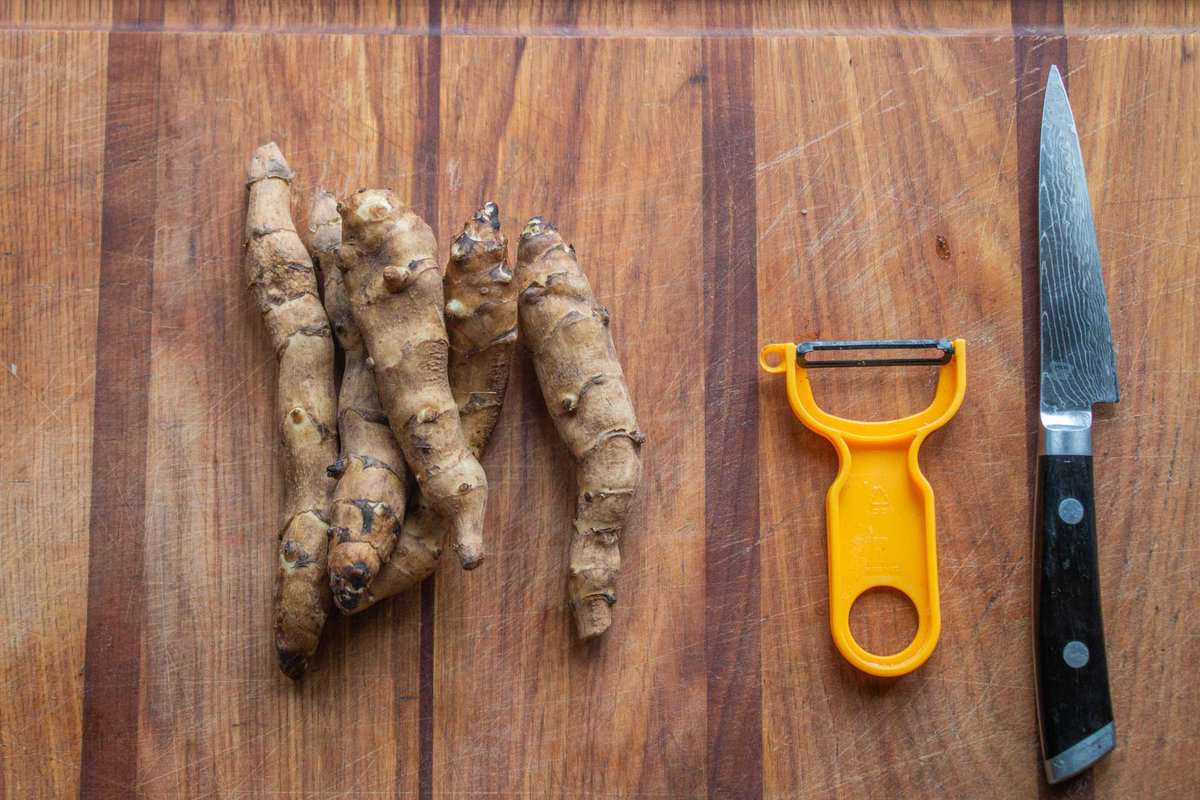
<point x="1078" y="369"/>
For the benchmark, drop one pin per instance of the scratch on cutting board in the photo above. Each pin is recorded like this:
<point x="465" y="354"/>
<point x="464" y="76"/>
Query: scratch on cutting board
<point x="793" y="152"/>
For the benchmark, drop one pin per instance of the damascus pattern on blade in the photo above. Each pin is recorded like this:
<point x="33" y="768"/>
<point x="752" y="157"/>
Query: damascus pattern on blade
<point x="1078" y="364"/>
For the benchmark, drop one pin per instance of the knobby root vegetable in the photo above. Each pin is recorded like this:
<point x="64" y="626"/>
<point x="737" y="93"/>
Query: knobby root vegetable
<point x="372" y="488"/>
<point x="395" y="287"/>
<point x="284" y="285"/>
<point x="566" y="331"/>
<point x="481" y="320"/>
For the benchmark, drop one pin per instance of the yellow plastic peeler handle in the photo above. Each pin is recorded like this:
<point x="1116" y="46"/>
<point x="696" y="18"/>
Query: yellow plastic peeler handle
<point x="880" y="508"/>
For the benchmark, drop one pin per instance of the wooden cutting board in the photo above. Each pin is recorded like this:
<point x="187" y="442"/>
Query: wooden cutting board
<point x="730" y="175"/>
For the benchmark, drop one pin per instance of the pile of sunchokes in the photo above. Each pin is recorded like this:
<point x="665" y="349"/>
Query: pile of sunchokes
<point x="380" y="472"/>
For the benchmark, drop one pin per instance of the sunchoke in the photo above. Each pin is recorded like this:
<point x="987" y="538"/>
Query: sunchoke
<point x="368" y="504"/>
<point x="481" y="320"/>
<point x="395" y="287"/>
<point x="284" y="285"/>
<point x="566" y="331"/>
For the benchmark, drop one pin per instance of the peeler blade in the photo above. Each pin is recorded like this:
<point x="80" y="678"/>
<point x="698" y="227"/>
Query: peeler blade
<point x="806" y="349"/>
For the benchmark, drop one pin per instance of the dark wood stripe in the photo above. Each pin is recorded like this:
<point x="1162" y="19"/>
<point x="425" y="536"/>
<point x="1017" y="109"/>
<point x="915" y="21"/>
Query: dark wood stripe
<point x="731" y="578"/>
<point x="137" y="15"/>
<point x="429" y="118"/>
<point x="426" y="194"/>
<point x="1035" y="50"/>
<point x="119" y="433"/>
<point x="425" y="701"/>
<point x="1039" y="40"/>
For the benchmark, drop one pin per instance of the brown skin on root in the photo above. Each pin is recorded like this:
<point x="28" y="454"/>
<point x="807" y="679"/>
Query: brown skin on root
<point x="372" y="479"/>
<point x="567" y="332"/>
<point x="284" y="286"/>
<point x="395" y="287"/>
<point x="481" y="319"/>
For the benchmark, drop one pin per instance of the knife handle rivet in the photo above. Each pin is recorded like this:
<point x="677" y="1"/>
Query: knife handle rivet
<point x="1076" y="654"/>
<point x="1070" y="511"/>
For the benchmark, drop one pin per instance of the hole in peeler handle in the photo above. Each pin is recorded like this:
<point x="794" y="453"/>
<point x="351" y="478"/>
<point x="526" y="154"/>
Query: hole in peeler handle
<point x="773" y="358"/>
<point x="883" y="621"/>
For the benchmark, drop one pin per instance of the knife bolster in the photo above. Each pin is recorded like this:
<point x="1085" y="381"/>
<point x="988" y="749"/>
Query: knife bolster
<point x="1065" y="433"/>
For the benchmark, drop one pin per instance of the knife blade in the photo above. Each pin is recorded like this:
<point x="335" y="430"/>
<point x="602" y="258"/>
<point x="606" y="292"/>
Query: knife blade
<point x="1078" y="369"/>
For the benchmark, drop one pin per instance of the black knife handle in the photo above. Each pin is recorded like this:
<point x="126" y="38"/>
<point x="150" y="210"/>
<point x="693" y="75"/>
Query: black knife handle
<point x="1074" y="706"/>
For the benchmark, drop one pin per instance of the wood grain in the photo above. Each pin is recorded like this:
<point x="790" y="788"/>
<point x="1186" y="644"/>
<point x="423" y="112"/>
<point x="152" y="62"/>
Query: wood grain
<point x="52" y="169"/>
<point x="732" y="568"/>
<point x="57" y="14"/>
<point x="909" y="17"/>
<point x="1104" y="17"/>
<point x="730" y="175"/>
<point x="583" y="17"/>
<point x="1127" y="95"/>
<point x="117" y="538"/>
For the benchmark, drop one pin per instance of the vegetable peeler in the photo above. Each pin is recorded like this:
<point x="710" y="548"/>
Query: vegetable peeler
<point x="880" y="508"/>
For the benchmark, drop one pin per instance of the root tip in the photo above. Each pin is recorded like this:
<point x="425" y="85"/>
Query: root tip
<point x="346" y="603"/>
<point x="292" y="663"/>
<point x="470" y="560"/>
<point x="593" y="616"/>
